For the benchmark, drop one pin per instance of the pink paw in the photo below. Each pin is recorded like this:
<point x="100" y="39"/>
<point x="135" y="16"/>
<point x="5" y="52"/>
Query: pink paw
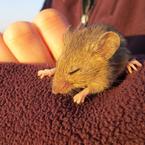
<point x="46" y="72"/>
<point x="133" y="65"/>
<point x="78" y="98"/>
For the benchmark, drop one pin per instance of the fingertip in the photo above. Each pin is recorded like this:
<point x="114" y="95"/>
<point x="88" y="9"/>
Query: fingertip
<point x="5" y="53"/>
<point x="129" y="69"/>
<point x="136" y="62"/>
<point x="139" y="64"/>
<point x="52" y="26"/>
<point x="25" y="42"/>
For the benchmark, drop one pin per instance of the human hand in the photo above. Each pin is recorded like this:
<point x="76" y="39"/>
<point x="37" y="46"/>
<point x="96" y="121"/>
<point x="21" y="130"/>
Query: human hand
<point x="39" y="41"/>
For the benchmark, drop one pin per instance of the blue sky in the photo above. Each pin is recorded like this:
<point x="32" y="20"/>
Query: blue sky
<point x="18" y="10"/>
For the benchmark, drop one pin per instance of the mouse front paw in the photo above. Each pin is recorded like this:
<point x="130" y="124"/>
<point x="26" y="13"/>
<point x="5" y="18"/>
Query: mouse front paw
<point x="78" y="98"/>
<point x="46" y="72"/>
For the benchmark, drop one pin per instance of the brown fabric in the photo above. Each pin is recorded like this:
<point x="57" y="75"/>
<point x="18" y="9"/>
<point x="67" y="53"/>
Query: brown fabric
<point x="31" y="115"/>
<point x="128" y="16"/>
<point x="136" y="44"/>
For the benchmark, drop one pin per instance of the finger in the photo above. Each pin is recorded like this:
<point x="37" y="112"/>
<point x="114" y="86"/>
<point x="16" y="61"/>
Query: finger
<point x="26" y="44"/>
<point x="5" y="53"/>
<point x="75" y="99"/>
<point x="78" y="101"/>
<point x="129" y="69"/>
<point x="41" y="77"/>
<point x="137" y="63"/>
<point x="39" y="72"/>
<point x="83" y="100"/>
<point x="52" y="26"/>
<point x="133" y="67"/>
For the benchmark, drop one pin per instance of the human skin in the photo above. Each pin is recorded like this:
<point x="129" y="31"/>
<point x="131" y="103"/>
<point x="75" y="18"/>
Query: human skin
<point x="5" y="53"/>
<point x="38" y="41"/>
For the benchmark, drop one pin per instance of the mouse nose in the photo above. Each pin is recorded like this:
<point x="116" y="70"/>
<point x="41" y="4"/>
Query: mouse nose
<point x="56" y="88"/>
<point x="60" y="87"/>
<point x="54" y="91"/>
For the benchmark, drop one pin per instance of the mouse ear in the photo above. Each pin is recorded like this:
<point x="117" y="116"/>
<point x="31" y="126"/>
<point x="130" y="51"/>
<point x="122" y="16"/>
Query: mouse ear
<point x="108" y="44"/>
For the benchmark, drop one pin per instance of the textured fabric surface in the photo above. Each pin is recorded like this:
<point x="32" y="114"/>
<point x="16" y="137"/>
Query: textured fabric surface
<point x="128" y="16"/>
<point x="31" y="115"/>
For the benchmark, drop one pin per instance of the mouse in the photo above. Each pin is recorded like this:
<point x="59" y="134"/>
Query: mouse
<point x="92" y="59"/>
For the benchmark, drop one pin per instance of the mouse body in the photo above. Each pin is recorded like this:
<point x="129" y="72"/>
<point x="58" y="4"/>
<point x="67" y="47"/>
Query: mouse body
<point x="92" y="59"/>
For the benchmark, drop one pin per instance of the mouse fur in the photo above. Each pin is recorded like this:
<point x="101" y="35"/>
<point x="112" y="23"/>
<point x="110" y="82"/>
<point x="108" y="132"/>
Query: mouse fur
<point x="88" y="60"/>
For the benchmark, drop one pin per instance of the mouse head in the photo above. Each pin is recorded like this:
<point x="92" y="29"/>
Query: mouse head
<point x="85" y="57"/>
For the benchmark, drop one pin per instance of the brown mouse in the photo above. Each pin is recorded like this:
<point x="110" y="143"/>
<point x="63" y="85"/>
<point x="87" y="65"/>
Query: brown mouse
<point x="92" y="58"/>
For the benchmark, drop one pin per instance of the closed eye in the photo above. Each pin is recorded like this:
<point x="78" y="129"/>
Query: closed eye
<point x="74" y="71"/>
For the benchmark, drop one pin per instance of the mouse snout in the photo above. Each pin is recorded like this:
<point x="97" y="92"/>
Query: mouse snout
<point x="61" y="87"/>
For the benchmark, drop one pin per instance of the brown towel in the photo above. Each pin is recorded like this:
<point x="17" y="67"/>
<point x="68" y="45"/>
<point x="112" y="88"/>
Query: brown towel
<point x="31" y="115"/>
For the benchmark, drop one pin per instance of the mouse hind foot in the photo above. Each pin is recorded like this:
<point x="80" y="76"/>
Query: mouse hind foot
<point x="133" y="65"/>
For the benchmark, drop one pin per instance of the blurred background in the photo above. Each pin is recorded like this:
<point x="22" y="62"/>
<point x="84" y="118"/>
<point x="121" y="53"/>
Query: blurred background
<point x="18" y="10"/>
